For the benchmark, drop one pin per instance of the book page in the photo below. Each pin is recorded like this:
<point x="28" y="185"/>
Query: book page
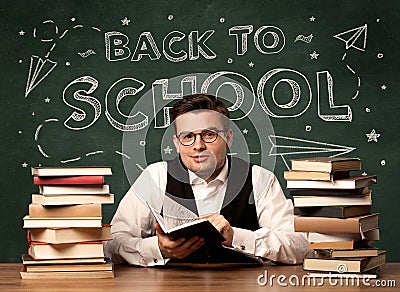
<point x="175" y="214"/>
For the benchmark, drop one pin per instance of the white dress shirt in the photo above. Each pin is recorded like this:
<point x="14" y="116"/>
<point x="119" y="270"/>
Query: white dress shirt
<point x="133" y="224"/>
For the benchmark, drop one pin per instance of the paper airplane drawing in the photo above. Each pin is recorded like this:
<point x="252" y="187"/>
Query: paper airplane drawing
<point x="354" y="38"/>
<point x="290" y="146"/>
<point x="38" y="70"/>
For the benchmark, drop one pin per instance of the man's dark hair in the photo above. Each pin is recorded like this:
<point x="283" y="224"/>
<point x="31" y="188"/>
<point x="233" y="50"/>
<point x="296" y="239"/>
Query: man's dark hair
<point x="198" y="102"/>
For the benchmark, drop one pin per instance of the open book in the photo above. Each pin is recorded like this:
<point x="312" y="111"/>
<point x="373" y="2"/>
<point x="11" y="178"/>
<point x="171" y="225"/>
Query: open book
<point x="196" y="227"/>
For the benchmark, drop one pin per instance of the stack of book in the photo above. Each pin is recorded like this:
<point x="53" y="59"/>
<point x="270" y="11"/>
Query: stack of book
<point x="64" y="226"/>
<point x="334" y="208"/>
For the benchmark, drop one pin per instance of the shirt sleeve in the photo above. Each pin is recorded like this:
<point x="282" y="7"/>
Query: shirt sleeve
<point x="132" y="227"/>
<point x="276" y="239"/>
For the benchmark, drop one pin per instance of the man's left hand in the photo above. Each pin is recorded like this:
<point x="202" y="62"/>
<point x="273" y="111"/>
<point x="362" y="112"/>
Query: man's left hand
<point x="222" y="225"/>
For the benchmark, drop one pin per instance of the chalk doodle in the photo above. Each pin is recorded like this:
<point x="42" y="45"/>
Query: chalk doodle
<point x="303" y="38"/>
<point x="167" y="150"/>
<point x="39" y="67"/>
<point x="347" y="115"/>
<point x="314" y="55"/>
<point x="284" y="146"/>
<point x="87" y="53"/>
<point x="123" y="154"/>
<point x="373" y="136"/>
<point x="355" y="38"/>
<point x="125" y="21"/>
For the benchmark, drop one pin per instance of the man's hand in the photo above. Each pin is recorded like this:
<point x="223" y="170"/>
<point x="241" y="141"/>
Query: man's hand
<point x="222" y="225"/>
<point x="179" y="248"/>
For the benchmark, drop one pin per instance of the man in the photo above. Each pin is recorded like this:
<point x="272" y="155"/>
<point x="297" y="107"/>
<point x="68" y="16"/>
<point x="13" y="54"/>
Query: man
<point x="244" y="202"/>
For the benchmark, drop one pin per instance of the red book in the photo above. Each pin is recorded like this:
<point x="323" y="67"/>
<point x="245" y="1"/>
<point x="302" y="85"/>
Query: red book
<point x="69" y="180"/>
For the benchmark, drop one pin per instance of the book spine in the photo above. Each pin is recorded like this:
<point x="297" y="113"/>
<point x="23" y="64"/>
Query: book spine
<point x="72" y="180"/>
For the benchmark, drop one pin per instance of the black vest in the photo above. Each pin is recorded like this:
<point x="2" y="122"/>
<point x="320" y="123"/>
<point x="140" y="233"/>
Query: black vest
<point x="238" y="206"/>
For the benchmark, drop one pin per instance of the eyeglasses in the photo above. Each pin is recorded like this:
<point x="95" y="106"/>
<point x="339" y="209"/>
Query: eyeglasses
<point x="207" y="136"/>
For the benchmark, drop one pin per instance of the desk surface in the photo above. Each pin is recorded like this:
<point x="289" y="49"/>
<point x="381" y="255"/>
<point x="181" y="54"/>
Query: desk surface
<point x="128" y="278"/>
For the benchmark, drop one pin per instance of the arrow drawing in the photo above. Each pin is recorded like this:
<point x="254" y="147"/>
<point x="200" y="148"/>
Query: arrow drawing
<point x="38" y="70"/>
<point x="354" y="38"/>
<point x="283" y="146"/>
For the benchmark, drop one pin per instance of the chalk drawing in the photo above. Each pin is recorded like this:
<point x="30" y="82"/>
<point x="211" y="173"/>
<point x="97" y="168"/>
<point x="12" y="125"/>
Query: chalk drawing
<point x="347" y="116"/>
<point x="314" y="55"/>
<point x="373" y="136"/>
<point x="122" y="154"/>
<point x="303" y="38"/>
<point x="284" y="146"/>
<point x="125" y="21"/>
<point x="355" y="38"/>
<point x="244" y="97"/>
<point x="167" y="150"/>
<point x="241" y="32"/>
<point x="122" y="91"/>
<point x="78" y="119"/>
<point x="169" y="39"/>
<point x="296" y="92"/>
<point x="70" y="160"/>
<point x="94" y="153"/>
<point x="139" y="166"/>
<point x="39" y="67"/>
<point x="87" y="53"/>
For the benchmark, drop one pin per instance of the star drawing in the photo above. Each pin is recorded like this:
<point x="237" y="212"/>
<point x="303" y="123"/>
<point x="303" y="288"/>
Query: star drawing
<point x="314" y="55"/>
<point x="312" y="18"/>
<point x="167" y="150"/>
<point x="373" y="136"/>
<point x="125" y="21"/>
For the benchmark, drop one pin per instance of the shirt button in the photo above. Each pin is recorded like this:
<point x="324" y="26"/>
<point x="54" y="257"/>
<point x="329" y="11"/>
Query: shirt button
<point x="242" y="247"/>
<point x="155" y="260"/>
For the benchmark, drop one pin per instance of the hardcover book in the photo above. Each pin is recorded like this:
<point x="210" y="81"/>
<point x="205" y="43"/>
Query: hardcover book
<point x="61" y="222"/>
<point x="71" y="171"/>
<point x="48" y="190"/>
<point x="333" y="211"/>
<point x="336" y="225"/>
<point x="353" y="182"/>
<point x="321" y="201"/>
<point x="69" y="180"/>
<point x="348" y="265"/>
<point x="70" y="235"/>
<point x="56" y="200"/>
<point x="84" y="210"/>
<point x="326" y="164"/>
<point x="39" y="250"/>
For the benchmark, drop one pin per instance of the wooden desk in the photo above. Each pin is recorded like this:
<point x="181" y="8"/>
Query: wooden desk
<point x="184" y="279"/>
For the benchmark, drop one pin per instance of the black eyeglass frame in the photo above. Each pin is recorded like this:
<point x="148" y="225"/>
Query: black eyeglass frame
<point x="217" y="131"/>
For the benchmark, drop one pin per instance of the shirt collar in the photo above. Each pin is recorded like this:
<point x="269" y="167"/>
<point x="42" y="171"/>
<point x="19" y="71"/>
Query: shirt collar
<point x="222" y="176"/>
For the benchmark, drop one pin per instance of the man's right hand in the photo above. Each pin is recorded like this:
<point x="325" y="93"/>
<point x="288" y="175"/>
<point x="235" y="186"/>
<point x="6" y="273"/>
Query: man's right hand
<point x="179" y="248"/>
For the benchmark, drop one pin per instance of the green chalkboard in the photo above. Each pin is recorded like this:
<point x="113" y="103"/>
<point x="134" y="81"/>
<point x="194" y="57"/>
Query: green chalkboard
<point x="90" y="83"/>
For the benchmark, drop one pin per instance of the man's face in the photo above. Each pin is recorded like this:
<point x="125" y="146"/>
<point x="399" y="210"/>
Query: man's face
<point x="205" y="159"/>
